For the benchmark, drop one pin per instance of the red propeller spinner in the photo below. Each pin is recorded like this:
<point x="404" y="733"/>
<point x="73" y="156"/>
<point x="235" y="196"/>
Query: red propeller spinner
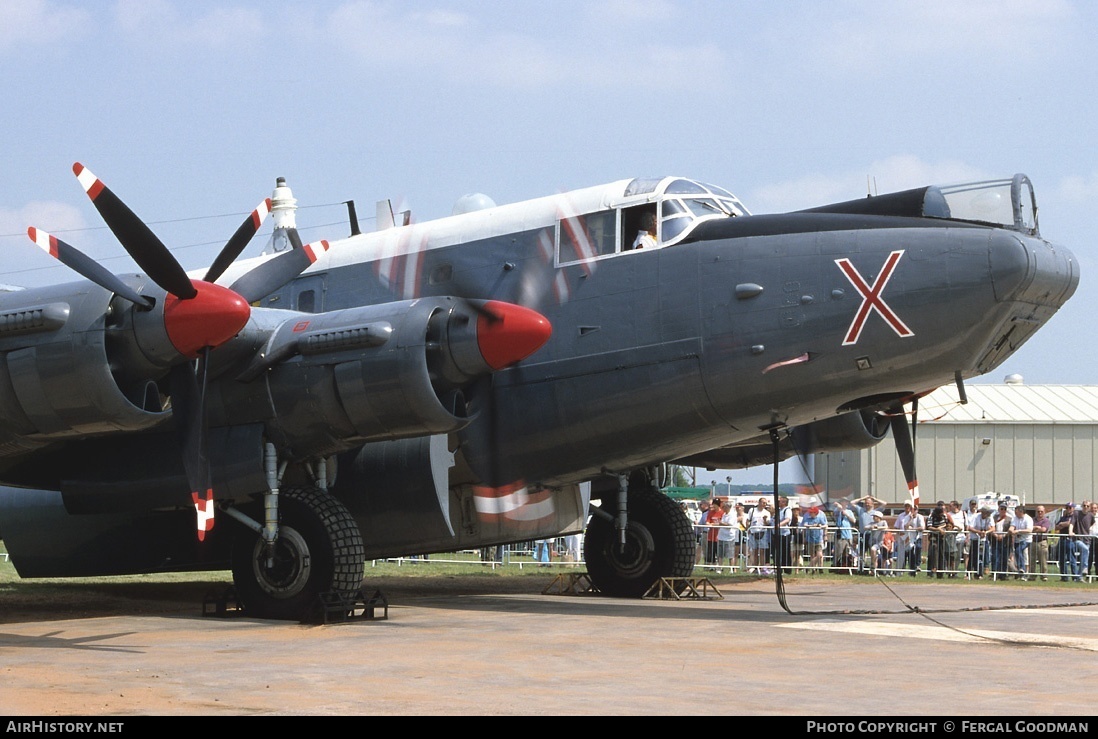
<point x="508" y="333"/>
<point x="209" y="319"/>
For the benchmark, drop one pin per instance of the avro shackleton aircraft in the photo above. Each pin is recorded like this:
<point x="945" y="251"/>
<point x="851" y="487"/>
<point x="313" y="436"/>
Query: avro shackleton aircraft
<point x="485" y="377"/>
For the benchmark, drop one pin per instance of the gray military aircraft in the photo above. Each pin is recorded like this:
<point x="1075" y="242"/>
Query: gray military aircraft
<point x="503" y="374"/>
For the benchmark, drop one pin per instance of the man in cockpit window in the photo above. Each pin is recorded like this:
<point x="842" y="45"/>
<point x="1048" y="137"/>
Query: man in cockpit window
<point x="646" y="237"/>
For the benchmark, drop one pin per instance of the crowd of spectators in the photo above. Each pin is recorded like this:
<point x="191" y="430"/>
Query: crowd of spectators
<point x="944" y="541"/>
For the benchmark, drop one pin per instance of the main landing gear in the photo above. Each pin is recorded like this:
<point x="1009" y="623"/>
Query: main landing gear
<point x="658" y="541"/>
<point x="318" y="550"/>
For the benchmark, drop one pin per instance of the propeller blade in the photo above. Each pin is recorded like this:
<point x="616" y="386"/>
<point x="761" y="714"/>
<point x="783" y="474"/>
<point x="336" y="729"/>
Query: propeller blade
<point x="276" y="272"/>
<point x="188" y="389"/>
<point x="905" y="449"/>
<point x="139" y="242"/>
<point x="801" y="439"/>
<point x="238" y="241"/>
<point x="84" y="265"/>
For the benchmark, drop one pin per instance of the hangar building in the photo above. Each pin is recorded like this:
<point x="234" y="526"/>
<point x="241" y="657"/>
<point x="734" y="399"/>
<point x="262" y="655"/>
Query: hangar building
<point x="1039" y="442"/>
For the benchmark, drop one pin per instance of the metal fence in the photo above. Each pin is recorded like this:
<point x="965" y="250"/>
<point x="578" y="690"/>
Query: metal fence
<point x="884" y="552"/>
<point x="893" y="552"/>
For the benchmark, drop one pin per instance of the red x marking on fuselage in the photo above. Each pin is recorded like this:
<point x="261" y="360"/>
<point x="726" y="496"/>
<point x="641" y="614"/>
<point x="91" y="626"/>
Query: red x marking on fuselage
<point x="871" y="298"/>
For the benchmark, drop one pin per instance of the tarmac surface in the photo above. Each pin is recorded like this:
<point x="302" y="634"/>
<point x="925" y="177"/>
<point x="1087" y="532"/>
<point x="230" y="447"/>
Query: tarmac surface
<point x="849" y="648"/>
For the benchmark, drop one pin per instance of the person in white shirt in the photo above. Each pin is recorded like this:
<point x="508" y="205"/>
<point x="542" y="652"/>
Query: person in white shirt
<point x="758" y="536"/>
<point x="974" y="542"/>
<point x="981" y="527"/>
<point x="1021" y="526"/>
<point x="646" y="237"/>
<point x="911" y="524"/>
<point x="728" y="535"/>
<point x="955" y="554"/>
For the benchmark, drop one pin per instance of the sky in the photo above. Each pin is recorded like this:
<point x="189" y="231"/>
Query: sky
<point x="189" y="111"/>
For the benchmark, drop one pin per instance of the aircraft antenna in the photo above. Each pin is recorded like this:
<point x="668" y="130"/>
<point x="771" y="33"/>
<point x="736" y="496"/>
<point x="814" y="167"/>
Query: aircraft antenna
<point x="352" y="216"/>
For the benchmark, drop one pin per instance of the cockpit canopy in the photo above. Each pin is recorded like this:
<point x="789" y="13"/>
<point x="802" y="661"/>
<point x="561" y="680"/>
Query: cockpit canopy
<point x="608" y="221"/>
<point x="1008" y="203"/>
<point x="683" y="203"/>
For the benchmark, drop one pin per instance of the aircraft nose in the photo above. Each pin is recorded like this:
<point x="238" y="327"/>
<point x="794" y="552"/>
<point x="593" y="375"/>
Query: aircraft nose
<point x="1033" y="271"/>
<point x="1032" y="278"/>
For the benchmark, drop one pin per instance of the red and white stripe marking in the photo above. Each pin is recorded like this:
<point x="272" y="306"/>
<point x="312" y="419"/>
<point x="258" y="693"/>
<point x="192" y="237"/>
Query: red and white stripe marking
<point x="314" y="250"/>
<point x="515" y="503"/>
<point x="92" y="185"/>
<point x="205" y="511"/>
<point x="260" y="213"/>
<point x="44" y="241"/>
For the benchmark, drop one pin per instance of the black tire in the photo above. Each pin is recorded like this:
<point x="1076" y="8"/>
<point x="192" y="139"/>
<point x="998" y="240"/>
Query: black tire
<point x="659" y="542"/>
<point x="319" y="550"/>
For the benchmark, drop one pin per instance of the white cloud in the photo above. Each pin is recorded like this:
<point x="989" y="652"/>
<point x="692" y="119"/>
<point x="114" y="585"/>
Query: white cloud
<point x="1078" y="189"/>
<point x="906" y="171"/>
<point x="53" y="217"/>
<point x="39" y="22"/>
<point x="441" y="18"/>
<point x="901" y="172"/>
<point x="874" y="38"/>
<point x="27" y="264"/>
<point x="576" y="50"/>
<point x="631" y="12"/>
<point x="160" y="23"/>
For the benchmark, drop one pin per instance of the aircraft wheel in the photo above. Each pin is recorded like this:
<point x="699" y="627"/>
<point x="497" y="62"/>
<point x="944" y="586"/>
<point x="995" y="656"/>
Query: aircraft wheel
<point x="319" y="550"/>
<point x="659" y="542"/>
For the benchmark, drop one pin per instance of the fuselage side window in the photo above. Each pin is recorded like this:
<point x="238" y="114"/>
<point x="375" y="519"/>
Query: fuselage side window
<point x="306" y="301"/>
<point x="639" y="227"/>
<point x="587" y="236"/>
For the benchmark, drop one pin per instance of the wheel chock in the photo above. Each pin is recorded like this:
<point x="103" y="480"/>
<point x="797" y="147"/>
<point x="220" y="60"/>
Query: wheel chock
<point x="571" y="583"/>
<point x="683" y="588"/>
<point x="223" y="604"/>
<point x="333" y="607"/>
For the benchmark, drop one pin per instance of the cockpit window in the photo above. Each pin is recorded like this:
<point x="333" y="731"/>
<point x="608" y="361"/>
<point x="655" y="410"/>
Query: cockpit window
<point x="672" y="207"/>
<point x="685" y="187"/>
<point x="707" y="206"/>
<point x="1010" y="203"/>
<point x="678" y="204"/>
<point x="687" y="203"/>
<point x="673" y="228"/>
<point x="720" y="191"/>
<point x="642" y="186"/>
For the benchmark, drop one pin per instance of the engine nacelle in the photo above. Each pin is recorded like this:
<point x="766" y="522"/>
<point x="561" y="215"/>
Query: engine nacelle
<point x="57" y="377"/>
<point x="845" y="432"/>
<point x="379" y="372"/>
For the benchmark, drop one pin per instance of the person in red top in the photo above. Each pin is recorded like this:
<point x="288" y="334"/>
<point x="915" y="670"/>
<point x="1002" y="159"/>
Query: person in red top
<point x="713" y="521"/>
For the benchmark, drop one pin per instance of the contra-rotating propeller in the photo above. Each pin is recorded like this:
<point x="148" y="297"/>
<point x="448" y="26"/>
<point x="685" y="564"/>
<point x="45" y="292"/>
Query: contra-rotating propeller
<point x="902" y="435"/>
<point x="198" y="315"/>
<point x="905" y="446"/>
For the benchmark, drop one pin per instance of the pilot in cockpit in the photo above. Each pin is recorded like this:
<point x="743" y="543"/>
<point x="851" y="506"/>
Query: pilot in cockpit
<point x="646" y="237"/>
